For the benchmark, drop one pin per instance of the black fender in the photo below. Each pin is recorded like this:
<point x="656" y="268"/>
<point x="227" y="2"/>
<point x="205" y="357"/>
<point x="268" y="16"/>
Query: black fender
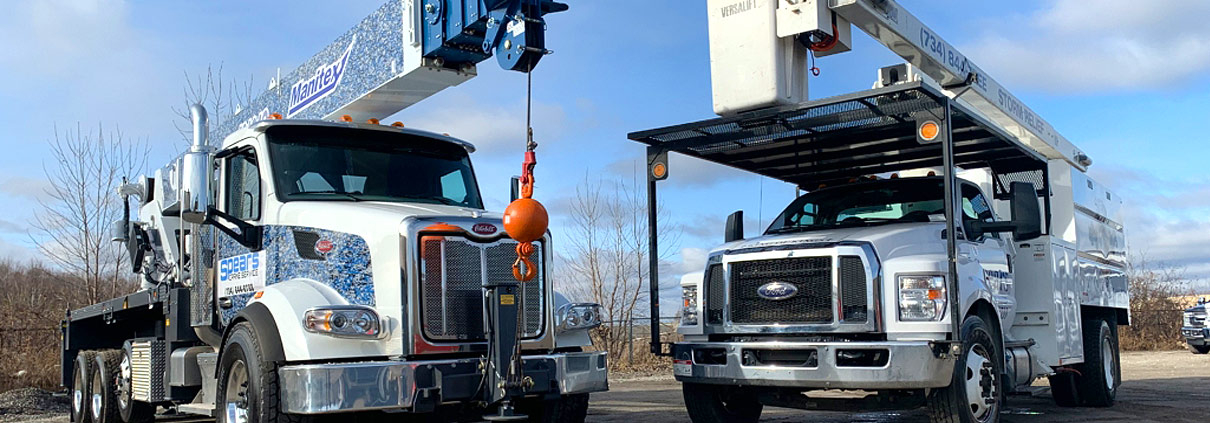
<point x="265" y="328"/>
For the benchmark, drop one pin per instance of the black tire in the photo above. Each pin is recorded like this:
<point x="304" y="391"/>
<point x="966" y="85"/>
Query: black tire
<point x="1063" y="389"/>
<point x="81" y="395"/>
<point x="256" y="394"/>
<point x="951" y="404"/>
<point x="567" y="408"/>
<point x="1199" y="349"/>
<point x="131" y="411"/>
<point x="104" y="406"/>
<point x="1100" y="375"/>
<point x="718" y="403"/>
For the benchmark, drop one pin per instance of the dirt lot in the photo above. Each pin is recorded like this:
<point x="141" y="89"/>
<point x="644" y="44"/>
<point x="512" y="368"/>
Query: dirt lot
<point x="1168" y="386"/>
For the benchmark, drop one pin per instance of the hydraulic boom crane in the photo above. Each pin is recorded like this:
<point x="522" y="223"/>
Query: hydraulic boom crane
<point x="400" y="54"/>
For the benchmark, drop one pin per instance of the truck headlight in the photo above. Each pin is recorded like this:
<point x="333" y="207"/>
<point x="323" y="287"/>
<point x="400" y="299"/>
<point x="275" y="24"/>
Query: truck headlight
<point x="922" y="298"/>
<point x="689" y="309"/>
<point x="578" y="316"/>
<point x="343" y="321"/>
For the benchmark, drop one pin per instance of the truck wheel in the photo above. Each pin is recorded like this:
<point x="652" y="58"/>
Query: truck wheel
<point x="974" y="393"/>
<point x="132" y="411"/>
<point x="717" y="403"/>
<point x="103" y="406"/>
<point x="247" y="384"/>
<point x="81" y="396"/>
<point x="1199" y="349"/>
<point x="1100" y="374"/>
<point x="1063" y="389"/>
<point x="567" y="408"/>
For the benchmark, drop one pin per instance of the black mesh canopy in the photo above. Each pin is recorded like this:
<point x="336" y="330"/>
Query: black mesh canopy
<point x="839" y="138"/>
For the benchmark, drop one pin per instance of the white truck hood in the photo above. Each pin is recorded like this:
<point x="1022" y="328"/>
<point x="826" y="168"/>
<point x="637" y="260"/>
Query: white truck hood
<point x="371" y="217"/>
<point x="889" y="241"/>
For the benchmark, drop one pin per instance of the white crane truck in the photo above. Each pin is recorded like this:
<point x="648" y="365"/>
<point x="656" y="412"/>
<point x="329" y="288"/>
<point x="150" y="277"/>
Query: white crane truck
<point x="307" y="266"/>
<point x="949" y="251"/>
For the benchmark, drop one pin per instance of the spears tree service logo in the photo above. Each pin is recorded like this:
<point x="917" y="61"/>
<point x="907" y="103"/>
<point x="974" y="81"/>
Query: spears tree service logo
<point x="327" y="77"/>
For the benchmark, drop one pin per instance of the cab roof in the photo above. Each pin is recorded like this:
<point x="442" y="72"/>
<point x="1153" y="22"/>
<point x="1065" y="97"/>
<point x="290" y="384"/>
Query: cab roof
<point x="262" y="126"/>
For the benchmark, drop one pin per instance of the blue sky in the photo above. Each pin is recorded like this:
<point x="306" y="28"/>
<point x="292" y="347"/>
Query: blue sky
<point x="1124" y="80"/>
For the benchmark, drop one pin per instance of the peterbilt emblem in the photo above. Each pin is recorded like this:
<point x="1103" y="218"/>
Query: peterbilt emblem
<point x="484" y="228"/>
<point x="324" y="246"/>
<point x="777" y="291"/>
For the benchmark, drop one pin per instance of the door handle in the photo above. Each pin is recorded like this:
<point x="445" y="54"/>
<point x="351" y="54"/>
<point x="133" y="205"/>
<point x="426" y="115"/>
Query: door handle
<point x="225" y="302"/>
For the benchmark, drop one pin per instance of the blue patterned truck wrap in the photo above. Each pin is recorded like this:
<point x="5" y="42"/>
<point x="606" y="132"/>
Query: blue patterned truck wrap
<point x="336" y="259"/>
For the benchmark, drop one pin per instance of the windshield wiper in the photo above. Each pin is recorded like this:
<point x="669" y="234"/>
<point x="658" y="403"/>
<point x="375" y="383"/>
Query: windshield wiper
<point x="437" y="198"/>
<point x="350" y="195"/>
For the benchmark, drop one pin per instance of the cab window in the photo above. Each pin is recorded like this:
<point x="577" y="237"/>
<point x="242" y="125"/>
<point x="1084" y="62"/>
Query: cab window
<point x="243" y="199"/>
<point x="975" y="207"/>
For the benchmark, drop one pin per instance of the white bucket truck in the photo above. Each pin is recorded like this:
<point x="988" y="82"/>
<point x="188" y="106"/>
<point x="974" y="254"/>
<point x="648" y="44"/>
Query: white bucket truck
<point x="949" y="249"/>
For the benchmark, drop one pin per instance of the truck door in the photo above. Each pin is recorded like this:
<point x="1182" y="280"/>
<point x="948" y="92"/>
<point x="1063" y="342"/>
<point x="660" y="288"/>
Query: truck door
<point x="241" y="271"/>
<point x="989" y="250"/>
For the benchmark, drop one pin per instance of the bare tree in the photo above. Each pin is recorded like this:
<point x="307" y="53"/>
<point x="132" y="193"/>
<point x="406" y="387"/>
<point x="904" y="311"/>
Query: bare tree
<point x="222" y="98"/>
<point x="1156" y="306"/>
<point x="607" y="260"/>
<point x="72" y="231"/>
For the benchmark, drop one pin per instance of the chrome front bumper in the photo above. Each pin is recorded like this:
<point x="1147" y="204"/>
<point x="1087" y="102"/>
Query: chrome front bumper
<point x="1195" y="335"/>
<point x="910" y="365"/>
<point x="407" y="385"/>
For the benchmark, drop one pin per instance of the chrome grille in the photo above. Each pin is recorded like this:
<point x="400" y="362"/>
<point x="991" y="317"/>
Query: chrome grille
<point x="1195" y="319"/>
<point x="453" y="272"/>
<point x="716" y="295"/>
<point x="811" y="275"/>
<point x="853" y="290"/>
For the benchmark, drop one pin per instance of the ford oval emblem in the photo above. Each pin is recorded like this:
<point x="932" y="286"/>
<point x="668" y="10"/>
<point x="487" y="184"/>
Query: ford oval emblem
<point x="484" y="228"/>
<point x="777" y="291"/>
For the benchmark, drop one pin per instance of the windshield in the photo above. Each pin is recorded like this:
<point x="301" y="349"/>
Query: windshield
<point x="863" y="204"/>
<point x="340" y="164"/>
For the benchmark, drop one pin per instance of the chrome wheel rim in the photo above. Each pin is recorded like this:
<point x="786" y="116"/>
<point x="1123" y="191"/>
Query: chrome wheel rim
<point x="97" y="385"/>
<point x="236" y="398"/>
<point x="124" y="381"/>
<point x="980" y="383"/>
<point x="77" y="395"/>
<point x="1107" y="362"/>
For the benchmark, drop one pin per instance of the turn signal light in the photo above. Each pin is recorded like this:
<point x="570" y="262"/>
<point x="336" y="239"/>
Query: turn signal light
<point x="929" y="130"/>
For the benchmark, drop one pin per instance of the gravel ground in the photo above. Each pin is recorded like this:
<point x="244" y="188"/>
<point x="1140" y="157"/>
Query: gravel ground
<point x="1167" y="386"/>
<point x="30" y="403"/>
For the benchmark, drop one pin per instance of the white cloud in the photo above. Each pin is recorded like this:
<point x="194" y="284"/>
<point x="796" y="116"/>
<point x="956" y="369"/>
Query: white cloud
<point x="61" y="38"/>
<point x="28" y="188"/>
<point x="1108" y="45"/>
<point x="492" y="128"/>
<point x="684" y="171"/>
<point x="1167" y="221"/>
<point x="17" y="252"/>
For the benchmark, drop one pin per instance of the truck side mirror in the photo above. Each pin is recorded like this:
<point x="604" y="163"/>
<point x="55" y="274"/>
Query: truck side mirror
<point x="1026" y="223"/>
<point x="735" y="226"/>
<point x="515" y="188"/>
<point x="1027" y="216"/>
